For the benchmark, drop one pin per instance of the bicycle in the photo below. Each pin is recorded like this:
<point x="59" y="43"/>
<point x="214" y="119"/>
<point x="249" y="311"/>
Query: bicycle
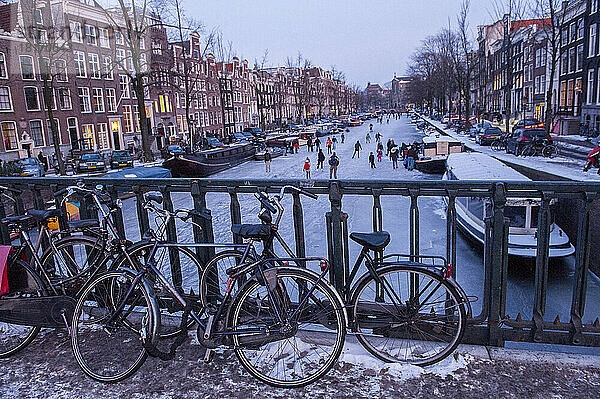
<point x="541" y="147"/>
<point x="42" y="286"/>
<point x="500" y="143"/>
<point x="266" y="313"/>
<point x="373" y="320"/>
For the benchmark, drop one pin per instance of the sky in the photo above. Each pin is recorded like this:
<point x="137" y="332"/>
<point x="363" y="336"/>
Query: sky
<point x="368" y="40"/>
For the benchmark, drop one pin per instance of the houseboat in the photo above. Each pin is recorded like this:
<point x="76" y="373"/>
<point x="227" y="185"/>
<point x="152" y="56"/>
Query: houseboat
<point x="434" y="153"/>
<point x="522" y="212"/>
<point x="207" y="162"/>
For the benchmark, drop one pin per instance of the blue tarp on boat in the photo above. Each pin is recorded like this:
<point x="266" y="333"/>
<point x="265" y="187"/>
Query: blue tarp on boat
<point x="150" y="172"/>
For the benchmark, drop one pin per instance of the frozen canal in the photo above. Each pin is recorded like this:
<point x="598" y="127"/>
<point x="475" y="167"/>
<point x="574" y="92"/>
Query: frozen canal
<point x="469" y="265"/>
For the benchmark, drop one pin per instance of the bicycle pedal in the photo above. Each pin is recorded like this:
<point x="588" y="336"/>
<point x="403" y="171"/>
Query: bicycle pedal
<point x="209" y="355"/>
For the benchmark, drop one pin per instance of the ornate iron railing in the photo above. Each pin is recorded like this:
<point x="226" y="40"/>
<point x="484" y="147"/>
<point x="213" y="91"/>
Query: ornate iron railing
<point x="491" y="326"/>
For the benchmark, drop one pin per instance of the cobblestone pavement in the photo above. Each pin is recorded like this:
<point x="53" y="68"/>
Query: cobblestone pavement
<point x="46" y="369"/>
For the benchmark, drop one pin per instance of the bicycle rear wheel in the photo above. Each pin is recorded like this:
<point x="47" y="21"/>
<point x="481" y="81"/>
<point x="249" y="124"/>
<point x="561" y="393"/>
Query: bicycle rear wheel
<point x="408" y="314"/>
<point x="111" y="350"/>
<point x="23" y="283"/>
<point x="550" y="151"/>
<point x="214" y="276"/>
<point x="306" y="345"/>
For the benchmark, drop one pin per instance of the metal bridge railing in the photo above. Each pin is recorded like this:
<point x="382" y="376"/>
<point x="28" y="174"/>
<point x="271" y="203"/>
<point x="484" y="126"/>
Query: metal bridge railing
<point x="492" y="326"/>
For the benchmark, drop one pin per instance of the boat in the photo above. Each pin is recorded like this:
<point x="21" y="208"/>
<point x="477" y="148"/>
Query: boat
<point x="435" y="151"/>
<point x="282" y="141"/>
<point x="275" y="152"/>
<point x="207" y="162"/>
<point x="522" y="212"/>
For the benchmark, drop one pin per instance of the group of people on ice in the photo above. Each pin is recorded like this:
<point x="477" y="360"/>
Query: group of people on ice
<point x="408" y="153"/>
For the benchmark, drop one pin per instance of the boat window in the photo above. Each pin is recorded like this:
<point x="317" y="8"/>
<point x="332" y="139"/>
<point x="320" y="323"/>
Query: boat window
<point x="476" y="207"/>
<point x="462" y="201"/>
<point x="516" y="214"/>
<point x="535" y="211"/>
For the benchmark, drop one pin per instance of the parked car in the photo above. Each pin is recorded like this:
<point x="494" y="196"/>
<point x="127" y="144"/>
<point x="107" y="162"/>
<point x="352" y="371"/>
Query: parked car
<point x="120" y="159"/>
<point x="29" y="167"/>
<point x="527" y="123"/>
<point x="248" y="136"/>
<point x="256" y="132"/>
<point x="488" y="136"/>
<point x="175" y="150"/>
<point x="482" y="126"/>
<point x="90" y="162"/>
<point x="214" y="142"/>
<point x="463" y="126"/>
<point x="521" y="137"/>
<point x="237" y="137"/>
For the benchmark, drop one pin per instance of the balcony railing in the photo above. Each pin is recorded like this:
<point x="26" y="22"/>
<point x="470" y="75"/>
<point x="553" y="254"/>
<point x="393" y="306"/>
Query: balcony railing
<point x="218" y="205"/>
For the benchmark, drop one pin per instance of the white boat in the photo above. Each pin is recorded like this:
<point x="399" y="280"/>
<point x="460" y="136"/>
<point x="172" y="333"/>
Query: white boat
<point x="522" y="212"/>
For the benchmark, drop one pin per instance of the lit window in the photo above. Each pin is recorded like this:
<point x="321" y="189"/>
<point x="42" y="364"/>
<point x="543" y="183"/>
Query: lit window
<point x="9" y="135"/>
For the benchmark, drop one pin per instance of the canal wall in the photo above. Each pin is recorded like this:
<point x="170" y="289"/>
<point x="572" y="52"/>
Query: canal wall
<point x="566" y="211"/>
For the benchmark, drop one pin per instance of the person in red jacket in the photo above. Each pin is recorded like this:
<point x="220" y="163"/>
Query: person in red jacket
<point x="307" y="168"/>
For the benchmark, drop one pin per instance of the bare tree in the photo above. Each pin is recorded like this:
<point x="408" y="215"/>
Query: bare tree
<point x="194" y="42"/>
<point x="48" y="39"/>
<point x="302" y="86"/>
<point x="549" y="9"/>
<point x="136" y="18"/>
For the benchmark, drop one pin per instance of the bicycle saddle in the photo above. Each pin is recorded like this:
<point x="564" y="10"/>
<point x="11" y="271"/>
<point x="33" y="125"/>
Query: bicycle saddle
<point x="18" y="220"/>
<point x="258" y="231"/>
<point x="375" y="241"/>
<point x="43" y="215"/>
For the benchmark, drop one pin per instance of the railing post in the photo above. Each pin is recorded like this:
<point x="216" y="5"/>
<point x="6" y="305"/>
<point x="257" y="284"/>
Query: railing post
<point x="142" y="214"/>
<point x="496" y="263"/>
<point x="582" y="261"/>
<point x="335" y="240"/>
<point x="414" y="239"/>
<point x="176" y="272"/>
<point x="118" y="213"/>
<point x="298" y="216"/>
<point x="236" y="213"/>
<point x="541" y="267"/>
<point x="451" y="230"/>
<point x="203" y="218"/>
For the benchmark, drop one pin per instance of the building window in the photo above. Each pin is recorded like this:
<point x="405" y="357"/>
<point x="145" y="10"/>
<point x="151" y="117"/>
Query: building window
<point x="76" y="35"/>
<point x="120" y="58"/>
<point x="580" y="57"/>
<point x="119" y="38"/>
<point x="61" y="70"/>
<point x="94" y="63"/>
<point x="124" y="86"/>
<point x="572" y="59"/>
<point x="52" y="98"/>
<point x="104" y="39"/>
<point x="87" y="137"/>
<point x="49" y="130"/>
<point x="593" y="6"/>
<point x="91" y="36"/>
<point x="3" y="73"/>
<point x="103" y="140"/>
<point x="130" y="61"/>
<point x="98" y="99"/>
<point x="564" y="37"/>
<point x="84" y="99"/>
<point x="32" y="102"/>
<point x="592" y="47"/>
<point x="156" y="48"/>
<point x="9" y="135"/>
<point x="27" y="72"/>
<point x="79" y="58"/>
<point x="580" y="29"/>
<point x="107" y="72"/>
<point x="5" y="100"/>
<point x="64" y="98"/>
<point x="37" y="135"/>
<point x="111" y="100"/>
<point x="590" y="87"/>
<point x="142" y="43"/>
<point x="127" y="119"/>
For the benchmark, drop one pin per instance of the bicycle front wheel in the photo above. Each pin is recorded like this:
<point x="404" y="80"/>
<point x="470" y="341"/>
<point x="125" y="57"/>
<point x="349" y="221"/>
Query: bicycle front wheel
<point x="408" y="314"/>
<point x="289" y="335"/>
<point x="550" y="151"/>
<point x="108" y="345"/>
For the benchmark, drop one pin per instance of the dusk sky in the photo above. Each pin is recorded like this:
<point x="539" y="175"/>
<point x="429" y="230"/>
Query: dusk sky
<point x="368" y="40"/>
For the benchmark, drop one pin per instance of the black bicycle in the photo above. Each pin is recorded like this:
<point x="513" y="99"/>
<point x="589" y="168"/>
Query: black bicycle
<point x="286" y="324"/>
<point x="403" y="309"/>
